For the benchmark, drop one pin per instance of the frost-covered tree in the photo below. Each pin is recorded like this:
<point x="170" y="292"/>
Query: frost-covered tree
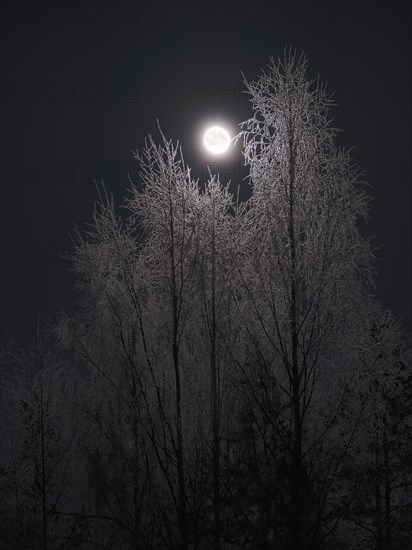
<point x="141" y="291"/>
<point x="220" y="235"/>
<point x="309" y="273"/>
<point x="156" y="327"/>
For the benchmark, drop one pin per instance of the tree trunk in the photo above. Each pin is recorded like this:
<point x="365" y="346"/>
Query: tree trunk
<point x="388" y="526"/>
<point x="379" y="537"/>
<point x="215" y="403"/>
<point x="378" y="505"/>
<point x="136" y="465"/>
<point x="43" y="474"/>
<point x="182" y="515"/>
<point x="182" y="519"/>
<point x="296" y="459"/>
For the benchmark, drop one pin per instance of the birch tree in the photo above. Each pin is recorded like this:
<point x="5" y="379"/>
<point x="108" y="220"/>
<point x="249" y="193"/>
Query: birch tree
<point x="220" y="237"/>
<point x="137" y="281"/>
<point x="310" y="271"/>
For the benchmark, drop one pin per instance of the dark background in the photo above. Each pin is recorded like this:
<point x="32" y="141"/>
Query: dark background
<point x="82" y="84"/>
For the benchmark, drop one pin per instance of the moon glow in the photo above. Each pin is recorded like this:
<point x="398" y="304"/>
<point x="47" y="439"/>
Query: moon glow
<point x="216" y="139"/>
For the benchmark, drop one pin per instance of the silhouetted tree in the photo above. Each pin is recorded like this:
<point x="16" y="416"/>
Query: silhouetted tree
<point x="39" y="433"/>
<point x="378" y="477"/>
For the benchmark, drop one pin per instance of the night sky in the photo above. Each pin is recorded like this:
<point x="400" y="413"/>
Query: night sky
<point x="82" y="84"/>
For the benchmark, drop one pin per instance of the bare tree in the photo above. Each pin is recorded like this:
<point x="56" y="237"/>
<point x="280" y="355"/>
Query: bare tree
<point x="310" y="269"/>
<point x="39" y="431"/>
<point x="379" y="486"/>
<point x="139" y="293"/>
<point x="219" y="237"/>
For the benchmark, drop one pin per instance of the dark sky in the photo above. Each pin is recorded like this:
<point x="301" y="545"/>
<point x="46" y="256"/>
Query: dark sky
<point x="82" y="83"/>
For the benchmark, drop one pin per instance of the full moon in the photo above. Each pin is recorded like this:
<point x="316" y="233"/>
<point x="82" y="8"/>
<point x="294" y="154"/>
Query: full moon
<point x="216" y="139"/>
